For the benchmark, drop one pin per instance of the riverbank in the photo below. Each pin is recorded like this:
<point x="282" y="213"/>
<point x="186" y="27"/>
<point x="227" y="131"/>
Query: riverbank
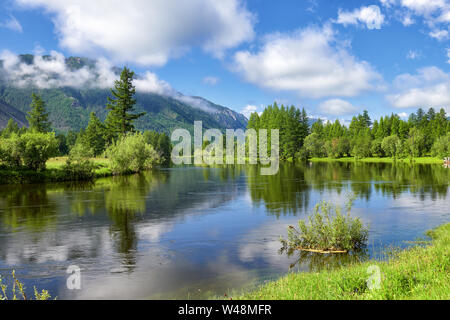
<point x="417" y="273"/>
<point x="421" y="160"/>
<point x="53" y="173"/>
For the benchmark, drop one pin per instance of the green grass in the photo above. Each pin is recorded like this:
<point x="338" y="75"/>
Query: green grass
<point x="420" y="272"/>
<point x="421" y="160"/>
<point x="53" y="172"/>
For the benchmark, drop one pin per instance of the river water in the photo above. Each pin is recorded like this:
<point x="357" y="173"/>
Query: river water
<point x="192" y="233"/>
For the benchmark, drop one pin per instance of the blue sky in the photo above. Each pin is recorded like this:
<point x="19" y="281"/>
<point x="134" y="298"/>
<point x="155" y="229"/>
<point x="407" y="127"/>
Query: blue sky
<point x="335" y="58"/>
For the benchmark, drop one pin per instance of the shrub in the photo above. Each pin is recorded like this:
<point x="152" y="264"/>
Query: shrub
<point x="328" y="230"/>
<point x="19" y="287"/>
<point x="76" y="169"/>
<point x="10" y="151"/>
<point x="81" y="150"/>
<point x="36" y="148"/>
<point x="130" y="153"/>
<point x="31" y="149"/>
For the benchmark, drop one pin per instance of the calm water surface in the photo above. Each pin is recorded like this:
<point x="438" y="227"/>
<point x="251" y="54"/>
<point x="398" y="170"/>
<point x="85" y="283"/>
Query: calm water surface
<point x="198" y="232"/>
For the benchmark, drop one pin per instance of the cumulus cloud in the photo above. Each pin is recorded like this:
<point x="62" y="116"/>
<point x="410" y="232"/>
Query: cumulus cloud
<point x="429" y="87"/>
<point x="13" y="24"/>
<point x="403" y="115"/>
<point x="440" y="35"/>
<point x="52" y="71"/>
<point x="309" y="62"/>
<point x="147" y="32"/>
<point x="425" y="7"/>
<point x="248" y="110"/>
<point x="370" y="16"/>
<point x="337" y="107"/>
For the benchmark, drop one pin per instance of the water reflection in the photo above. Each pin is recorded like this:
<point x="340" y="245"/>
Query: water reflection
<point x="27" y="206"/>
<point x="173" y="232"/>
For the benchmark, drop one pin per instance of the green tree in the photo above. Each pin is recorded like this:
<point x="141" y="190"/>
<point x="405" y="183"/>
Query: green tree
<point x="94" y="135"/>
<point x="37" y="116"/>
<point x="416" y="142"/>
<point x="11" y="127"/>
<point x="441" y="148"/>
<point x="120" y="117"/>
<point x="362" y="147"/>
<point x="390" y="145"/>
<point x="314" y="145"/>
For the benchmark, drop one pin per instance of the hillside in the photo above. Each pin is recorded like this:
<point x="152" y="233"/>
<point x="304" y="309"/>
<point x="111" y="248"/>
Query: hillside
<point x="69" y="108"/>
<point x="8" y="112"/>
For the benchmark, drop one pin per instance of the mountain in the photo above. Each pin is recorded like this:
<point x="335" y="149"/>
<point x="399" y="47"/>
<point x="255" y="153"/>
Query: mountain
<point x="69" y="107"/>
<point x="8" y="112"/>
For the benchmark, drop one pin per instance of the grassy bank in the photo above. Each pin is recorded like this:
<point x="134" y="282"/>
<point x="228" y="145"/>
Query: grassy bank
<point x="421" y="160"/>
<point x="420" y="272"/>
<point x="53" y="173"/>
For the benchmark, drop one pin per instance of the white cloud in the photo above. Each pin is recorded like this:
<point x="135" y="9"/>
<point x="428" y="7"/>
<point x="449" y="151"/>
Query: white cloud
<point x="433" y="12"/>
<point x="440" y="35"/>
<point x="147" y="32"/>
<point x="248" y="110"/>
<point x="424" y="7"/>
<point x="413" y="55"/>
<point x="429" y="87"/>
<point x="407" y="20"/>
<point x="52" y="72"/>
<point x="388" y="3"/>
<point x="337" y="107"/>
<point x="448" y="55"/>
<point x="371" y="16"/>
<point x="403" y="115"/>
<point x="13" y="24"/>
<point x="212" y="81"/>
<point x="309" y="62"/>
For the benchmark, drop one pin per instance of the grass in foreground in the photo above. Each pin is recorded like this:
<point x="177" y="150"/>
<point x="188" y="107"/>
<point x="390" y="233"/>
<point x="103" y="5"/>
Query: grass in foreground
<point x="415" y="273"/>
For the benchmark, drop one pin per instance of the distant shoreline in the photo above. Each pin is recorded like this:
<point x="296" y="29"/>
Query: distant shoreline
<point x="420" y="160"/>
<point x="54" y="172"/>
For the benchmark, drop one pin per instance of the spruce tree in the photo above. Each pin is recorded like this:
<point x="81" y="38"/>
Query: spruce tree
<point x="94" y="135"/>
<point x="37" y="117"/>
<point x="120" y="118"/>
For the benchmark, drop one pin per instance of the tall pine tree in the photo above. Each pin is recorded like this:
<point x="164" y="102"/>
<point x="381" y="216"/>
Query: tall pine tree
<point x="120" y="118"/>
<point x="37" y="116"/>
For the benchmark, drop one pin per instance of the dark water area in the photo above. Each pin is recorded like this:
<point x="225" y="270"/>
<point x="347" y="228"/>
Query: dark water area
<point x="192" y="232"/>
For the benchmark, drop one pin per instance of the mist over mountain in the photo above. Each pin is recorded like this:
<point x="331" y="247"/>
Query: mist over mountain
<point x="74" y="87"/>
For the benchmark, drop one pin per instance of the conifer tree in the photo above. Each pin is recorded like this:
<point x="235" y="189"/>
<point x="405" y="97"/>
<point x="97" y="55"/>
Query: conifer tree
<point x="37" y="116"/>
<point x="120" y="118"/>
<point x="94" y="135"/>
